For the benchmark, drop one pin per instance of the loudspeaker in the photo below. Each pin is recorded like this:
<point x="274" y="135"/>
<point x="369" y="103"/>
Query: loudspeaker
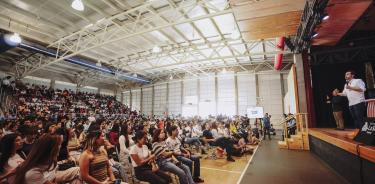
<point x="367" y="133"/>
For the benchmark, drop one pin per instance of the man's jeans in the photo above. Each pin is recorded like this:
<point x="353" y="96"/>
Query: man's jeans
<point x="358" y="112"/>
<point x="182" y="171"/>
<point x="189" y="162"/>
<point x="193" y="140"/>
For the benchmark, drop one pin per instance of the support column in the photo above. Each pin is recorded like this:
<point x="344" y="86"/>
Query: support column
<point x="131" y="99"/>
<point x="122" y="97"/>
<point x="52" y="84"/>
<point x="198" y="93"/>
<point x="257" y="90"/>
<point x="304" y="87"/>
<point x="182" y="93"/>
<point x="167" y="100"/>
<point x="282" y="91"/>
<point x="236" y="92"/>
<point x="141" y="104"/>
<point x="216" y="94"/>
<point x="152" y="99"/>
<point x="99" y="90"/>
<point x="301" y="91"/>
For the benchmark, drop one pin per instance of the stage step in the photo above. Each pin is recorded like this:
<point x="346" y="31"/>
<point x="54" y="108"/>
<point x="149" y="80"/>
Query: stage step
<point x="300" y="141"/>
<point x="283" y="145"/>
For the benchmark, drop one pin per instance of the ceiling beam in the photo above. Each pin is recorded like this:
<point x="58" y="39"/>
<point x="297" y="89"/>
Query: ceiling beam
<point x="67" y="47"/>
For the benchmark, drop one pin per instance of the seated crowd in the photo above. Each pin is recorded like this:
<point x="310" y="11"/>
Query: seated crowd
<point x="59" y="136"/>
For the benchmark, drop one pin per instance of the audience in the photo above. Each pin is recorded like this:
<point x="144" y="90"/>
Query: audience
<point x="95" y="139"/>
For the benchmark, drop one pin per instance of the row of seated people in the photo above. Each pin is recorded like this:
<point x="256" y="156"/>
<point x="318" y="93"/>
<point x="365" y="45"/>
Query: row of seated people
<point x="21" y="143"/>
<point x="34" y="99"/>
<point x="37" y="147"/>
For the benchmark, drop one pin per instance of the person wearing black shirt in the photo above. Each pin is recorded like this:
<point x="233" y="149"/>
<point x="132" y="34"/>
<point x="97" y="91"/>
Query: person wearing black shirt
<point x="337" y="108"/>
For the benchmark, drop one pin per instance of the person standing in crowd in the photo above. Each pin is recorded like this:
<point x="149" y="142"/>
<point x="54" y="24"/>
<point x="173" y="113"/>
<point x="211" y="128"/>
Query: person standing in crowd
<point x="354" y="90"/>
<point x="337" y="108"/>
<point x="267" y="126"/>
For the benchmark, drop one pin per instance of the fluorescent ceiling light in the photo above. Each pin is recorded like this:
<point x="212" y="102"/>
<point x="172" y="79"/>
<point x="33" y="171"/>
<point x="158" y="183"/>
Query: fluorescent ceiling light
<point x="326" y="17"/>
<point x="224" y="70"/>
<point x="15" y="38"/>
<point x="78" y="5"/>
<point x="315" y="35"/>
<point x="156" y="49"/>
<point x="99" y="64"/>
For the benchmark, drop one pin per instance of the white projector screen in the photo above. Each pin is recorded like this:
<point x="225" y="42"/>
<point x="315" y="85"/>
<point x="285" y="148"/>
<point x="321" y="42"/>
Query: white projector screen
<point x="255" y="112"/>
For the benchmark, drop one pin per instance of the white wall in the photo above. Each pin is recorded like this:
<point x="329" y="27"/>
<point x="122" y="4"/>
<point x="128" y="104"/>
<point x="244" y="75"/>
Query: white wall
<point x="174" y="99"/>
<point x="246" y="92"/>
<point x="160" y="99"/>
<point x="271" y="96"/>
<point x="207" y="103"/>
<point x="196" y="96"/>
<point x="147" y="101"/>
<point x="136" y="100"/>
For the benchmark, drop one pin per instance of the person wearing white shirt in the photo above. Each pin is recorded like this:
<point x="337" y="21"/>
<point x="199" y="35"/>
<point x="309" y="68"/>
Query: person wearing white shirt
<point x="125" y="142"/>
<point x="143" y="160"/>
<point x="354" y="90"/>
<point x="184" y="156"/>
<point x="196" y="130"/>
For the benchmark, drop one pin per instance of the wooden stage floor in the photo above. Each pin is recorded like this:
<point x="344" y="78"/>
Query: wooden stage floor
<point x="221" y="171"/>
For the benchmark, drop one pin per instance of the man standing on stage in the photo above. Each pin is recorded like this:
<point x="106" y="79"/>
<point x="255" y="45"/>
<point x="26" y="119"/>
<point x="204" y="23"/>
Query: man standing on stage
<point x="355" y="89"/>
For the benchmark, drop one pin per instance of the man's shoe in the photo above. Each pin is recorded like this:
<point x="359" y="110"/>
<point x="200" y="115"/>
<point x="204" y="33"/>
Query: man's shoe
<point x="230" y="159"/>
<point x="198" y="180"/>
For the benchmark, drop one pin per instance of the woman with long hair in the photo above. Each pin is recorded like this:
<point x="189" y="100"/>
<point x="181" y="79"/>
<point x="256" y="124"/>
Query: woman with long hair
<point x="166" y="160"/>
<point x="10" y="159"/>
<point x="40" y="166"/>
<point x="93" y="163"/>
<point x="125" y="143"/>
<point x="143" y="162"/>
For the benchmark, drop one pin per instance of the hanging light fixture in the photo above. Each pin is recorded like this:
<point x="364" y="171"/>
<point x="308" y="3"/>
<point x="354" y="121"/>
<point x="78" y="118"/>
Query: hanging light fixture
<point x="135" y="75"/>
<point x="315" y="35"/>
<point x="99" y="64"/>
<point x="325" y="16"/>
<point x="156" y="49"/>
<point x="78" y="5"/>
<point x="224" y="70"/>
<point x="15" y="38"/>
<point x="171" y="77"/>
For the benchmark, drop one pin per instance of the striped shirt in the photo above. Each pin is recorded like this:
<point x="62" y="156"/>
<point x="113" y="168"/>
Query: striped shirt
<point x="98" y="166"/>
<point x="158" y="148"/>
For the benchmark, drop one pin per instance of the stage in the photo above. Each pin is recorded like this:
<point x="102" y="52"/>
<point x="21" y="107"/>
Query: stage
<point x="349" y="158"/>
